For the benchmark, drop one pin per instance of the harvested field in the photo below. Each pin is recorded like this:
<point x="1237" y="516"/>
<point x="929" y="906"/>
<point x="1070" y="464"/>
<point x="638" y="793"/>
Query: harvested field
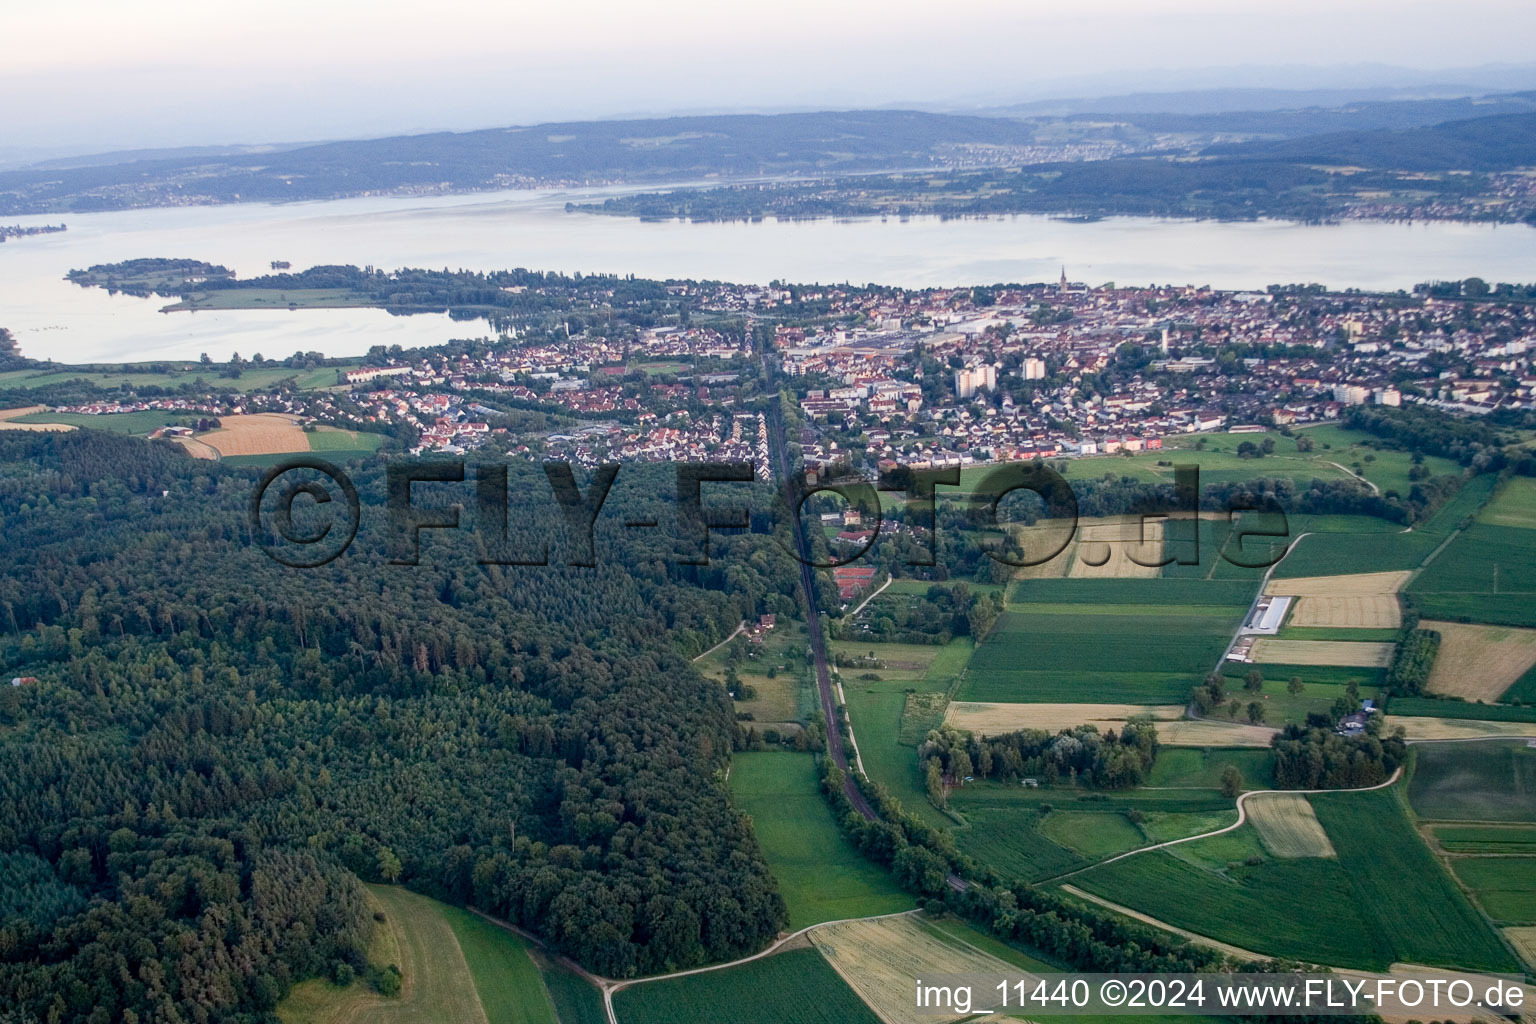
<point x="27" y="410"/>
<point x="878" y="959"/>
<point x="987" y="719"/>
<point x="1524" y="941"/>
<point x="1104" y="548"/>
<point x="266" y="433"/>
<point x="1360" y="584"/>
<point x="1364" y="611"/>
<point x="1480" y="662"/>
<point x="1416" y="728"/>
<point x="1207" y="733"/>
<point x="196" y="448"/>
<point x="1288" y="826"/>
<point x="1268" y="650"/>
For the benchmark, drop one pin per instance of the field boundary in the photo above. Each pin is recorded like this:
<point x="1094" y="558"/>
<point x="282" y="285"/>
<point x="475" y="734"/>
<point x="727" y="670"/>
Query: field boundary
<point x="1242" y="816"/>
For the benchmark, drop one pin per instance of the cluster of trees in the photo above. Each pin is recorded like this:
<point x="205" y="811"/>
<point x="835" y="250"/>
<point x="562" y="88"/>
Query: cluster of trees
<point x="1313" y="756"/>
<point x="1082" y="755"/>
<point x="940" y="614"/>
<point x="1469" y="441"/>
<point x="1414" y="658"/>
<point x="1212" y="696"/>
<point x="217" y="747"/>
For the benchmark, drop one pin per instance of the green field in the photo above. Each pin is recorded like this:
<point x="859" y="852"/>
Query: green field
<point x="252" y="378"/>
<point x="509" y="984"/>
<point x="1487" y="574"/>
<point x="1008" y="828"/>
<point x="1332" y="554"/>
<point x="797" y="987"/>
<point x="1294" y="908"/>
<point x="1280" y="706"/>
<point x="780" y="696"/>
<point x="112" y="422"/>
<point x="1315" y="677"/>
<point x="1143" y="641"/>
<point x="1505" y="886"/>
<point x="875" y="710"/>
<point x="1487" y="839"/>
<point x="1514" y="505"/>
<point x="576" y="1000"/>
<point x="1493" y="780"/>
<point x="1092" y="834"/>
<point x="1400" y="885"/>
<point x="821" y="876"/>
<point x="1188" y="767"/>
<point x="344" y="441"/>
<point x="1429" y="707"/>
<point x="440" y="983"/>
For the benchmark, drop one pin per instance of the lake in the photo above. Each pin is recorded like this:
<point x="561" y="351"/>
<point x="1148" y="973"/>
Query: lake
<point x="52" y="318"/>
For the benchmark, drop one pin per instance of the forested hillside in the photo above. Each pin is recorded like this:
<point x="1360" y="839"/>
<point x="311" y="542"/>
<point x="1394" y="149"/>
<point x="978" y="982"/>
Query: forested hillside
<point x="216" y="748"/>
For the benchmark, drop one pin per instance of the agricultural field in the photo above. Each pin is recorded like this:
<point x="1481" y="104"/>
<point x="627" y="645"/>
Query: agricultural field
<point x="1110" y="549"/>
<point x="1295" y="908"/>
<point x="1424" y="728"/>
<point x="1509" y="839"/>
<point x="1494" y="781"/>
<point x="1116" y="641"/>
<point x="1287" y="826"/>
<point x="1360" y="584"/>
<point x="1092" y="834"/>
<point x="252" y="378"/>
<point x="507" y="980"/>
<point x="1319" y="554"/>
<point x="879" y="960"/>
<point x="793" y="987"/>
<point x="1272" y="651"/>
<point x="887" y="740"/>
<point x="821" y="876"/>
<point x="1452" y="709"/>
<point x="1010" y="828"/>
<point x="132" y="423"/>
<point x="1186" y="768"/>
<point x="1524" y="940"/>
<point x="1485" y="575"/>
<point x="1401" y="885"/>
<point x="997" y="719"/>
<point x="440" y="983"/>
<point x="1372" y="611"/>
<point x="12" y="419"/>
<point x="1514" y="505"/>
<point x="1504" y="886"/>
<point x="259" y="434"/>
<point x="1480" y="663"/>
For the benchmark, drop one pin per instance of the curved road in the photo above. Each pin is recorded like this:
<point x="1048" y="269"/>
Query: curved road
<point x="1242" y="816"/>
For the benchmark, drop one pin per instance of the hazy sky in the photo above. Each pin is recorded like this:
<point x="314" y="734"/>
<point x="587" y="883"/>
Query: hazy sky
<point x="102" y="74"/>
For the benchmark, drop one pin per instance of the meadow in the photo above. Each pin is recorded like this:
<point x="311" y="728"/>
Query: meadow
<point x="508" y="982"/>
<point x="1302" y="908"/>
<point x="820" y="874"/>
<point x="1032" y="834"/>
<point x="1486" y="781"/>
<point x="1505" y="886"/>
<point x="1191" y="768"/>
<point x="252" y="378"/>
<point x="778" y="696"/>
<point x="794" y="987"/>
<point x="1399" y="884"/>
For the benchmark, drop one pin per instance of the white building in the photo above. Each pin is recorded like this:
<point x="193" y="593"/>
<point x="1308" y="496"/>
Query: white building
<point x="1032" y="369"/>
<point x="970" y="379"/>
<point x="1350" y="394"/>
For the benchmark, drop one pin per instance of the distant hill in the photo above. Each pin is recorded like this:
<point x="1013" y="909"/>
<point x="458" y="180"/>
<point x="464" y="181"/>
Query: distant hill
<point x="1297" y="122"/>
<point x="595" y="151"/>
<point x="1494" y="143"/>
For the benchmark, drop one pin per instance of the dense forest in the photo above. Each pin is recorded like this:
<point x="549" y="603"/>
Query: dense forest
<point x="213" y="748"/>
<point x="1079" y="756"/>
